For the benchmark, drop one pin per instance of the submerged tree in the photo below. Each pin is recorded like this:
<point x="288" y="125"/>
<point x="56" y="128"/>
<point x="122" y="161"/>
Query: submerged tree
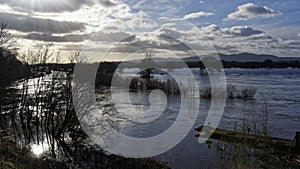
<point x="147" y="62"/>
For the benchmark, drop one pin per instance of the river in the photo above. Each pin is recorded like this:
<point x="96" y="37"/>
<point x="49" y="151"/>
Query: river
<point x="275" y="105"/>
<point x="277" y="98"/>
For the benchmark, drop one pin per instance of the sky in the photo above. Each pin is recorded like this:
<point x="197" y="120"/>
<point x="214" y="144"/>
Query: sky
<point x="170" y="27"/>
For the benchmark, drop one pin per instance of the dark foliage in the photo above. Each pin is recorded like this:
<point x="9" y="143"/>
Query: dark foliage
<point x="266" y="64"/>
<point x="11" y="69"/>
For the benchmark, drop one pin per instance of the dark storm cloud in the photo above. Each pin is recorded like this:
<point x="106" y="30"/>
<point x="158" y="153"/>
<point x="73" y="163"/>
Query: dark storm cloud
<point x="165" y="39"/>
<point x="95" y="37"/>
<point x="108" y="3"/>
<point x="26" y="23"/>
<point x="242" y="31"/>
<point x="52" y="38"/>
<point x="235" y="31"/>
<point x="227" y="47"/>
<point x="111" y="37"/>
<point x="139" y="44"/>
<point x="129" y="39"/>
<point x="45" y="5"/>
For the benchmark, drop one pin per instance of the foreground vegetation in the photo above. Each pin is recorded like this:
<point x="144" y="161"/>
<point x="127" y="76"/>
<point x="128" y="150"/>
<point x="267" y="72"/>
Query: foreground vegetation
<point x="13" y="156"/>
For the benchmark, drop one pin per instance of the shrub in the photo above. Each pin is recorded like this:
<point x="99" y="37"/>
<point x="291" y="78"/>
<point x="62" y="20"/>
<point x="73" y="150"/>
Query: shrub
<point x="231" y="91"/>
<point x="247" y="92"/>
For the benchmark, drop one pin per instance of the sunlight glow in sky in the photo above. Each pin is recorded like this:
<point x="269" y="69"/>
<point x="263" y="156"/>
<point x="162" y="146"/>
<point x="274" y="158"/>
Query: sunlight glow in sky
<point x="270" y="27"/>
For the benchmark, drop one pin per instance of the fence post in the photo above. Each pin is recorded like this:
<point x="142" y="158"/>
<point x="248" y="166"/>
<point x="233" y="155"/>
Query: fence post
<point x="297" y="146"/>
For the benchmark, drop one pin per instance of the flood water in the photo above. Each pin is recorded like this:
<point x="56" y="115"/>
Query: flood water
<point x="277" y="99"/>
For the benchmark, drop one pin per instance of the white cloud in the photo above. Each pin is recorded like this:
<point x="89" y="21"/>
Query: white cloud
<point x="232" y="32"/>
<point x="163" y="6"/>
<point x="241" y="31"/>
<point x="298" y="34"/>
<point x="213" y="28"/>
<point x="238" y="39"/>
<point x="197" y="15"/>
<point x="249" y="11"/>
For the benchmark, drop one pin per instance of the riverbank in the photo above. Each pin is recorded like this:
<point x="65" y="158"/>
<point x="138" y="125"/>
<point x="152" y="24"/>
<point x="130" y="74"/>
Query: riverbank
<point x="13" y="156"/>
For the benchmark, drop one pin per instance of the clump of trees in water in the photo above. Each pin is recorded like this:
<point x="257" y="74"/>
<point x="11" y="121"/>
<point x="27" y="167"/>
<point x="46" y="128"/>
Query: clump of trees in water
<point x="169" y="86"/>
<point x="246" y="92"/>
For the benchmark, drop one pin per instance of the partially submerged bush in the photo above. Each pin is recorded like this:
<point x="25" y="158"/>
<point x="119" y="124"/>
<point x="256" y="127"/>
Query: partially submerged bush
<point x="247" y="92"/>
<point x="232" y="92"/>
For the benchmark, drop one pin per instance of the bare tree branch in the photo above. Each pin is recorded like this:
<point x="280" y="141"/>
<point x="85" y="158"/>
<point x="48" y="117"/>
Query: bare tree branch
<point x="7" y="39"/>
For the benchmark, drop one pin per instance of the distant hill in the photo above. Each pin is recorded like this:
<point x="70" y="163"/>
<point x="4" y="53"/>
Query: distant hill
<point x="242" y="60"/>
<point x="246" y="57"/>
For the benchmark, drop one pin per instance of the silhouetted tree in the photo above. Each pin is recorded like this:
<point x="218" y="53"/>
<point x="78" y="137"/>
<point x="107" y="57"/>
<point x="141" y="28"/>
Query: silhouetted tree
<point x="7" y="39"/>
<point x="10" y="68"/>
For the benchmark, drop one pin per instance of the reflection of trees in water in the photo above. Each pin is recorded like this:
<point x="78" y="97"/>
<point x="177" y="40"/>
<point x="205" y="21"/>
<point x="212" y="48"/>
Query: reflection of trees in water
<point x="242" y="155"/>
<point x="41" y="110"/>
<point x="233" y="156"/>
<point x="249" y="144"/>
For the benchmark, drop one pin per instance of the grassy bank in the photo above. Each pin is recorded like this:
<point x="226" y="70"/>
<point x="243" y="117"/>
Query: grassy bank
<point x="13" y="156"/>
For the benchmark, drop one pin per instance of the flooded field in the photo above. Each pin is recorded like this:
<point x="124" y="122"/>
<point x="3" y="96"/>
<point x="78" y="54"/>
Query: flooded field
<point x="43" y="117"/>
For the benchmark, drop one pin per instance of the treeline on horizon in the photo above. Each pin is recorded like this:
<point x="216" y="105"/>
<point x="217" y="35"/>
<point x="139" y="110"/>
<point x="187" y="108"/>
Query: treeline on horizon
<point x="255" y="65"/>
<point x="12" y="69"/>
<point x="111" y="66"/>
